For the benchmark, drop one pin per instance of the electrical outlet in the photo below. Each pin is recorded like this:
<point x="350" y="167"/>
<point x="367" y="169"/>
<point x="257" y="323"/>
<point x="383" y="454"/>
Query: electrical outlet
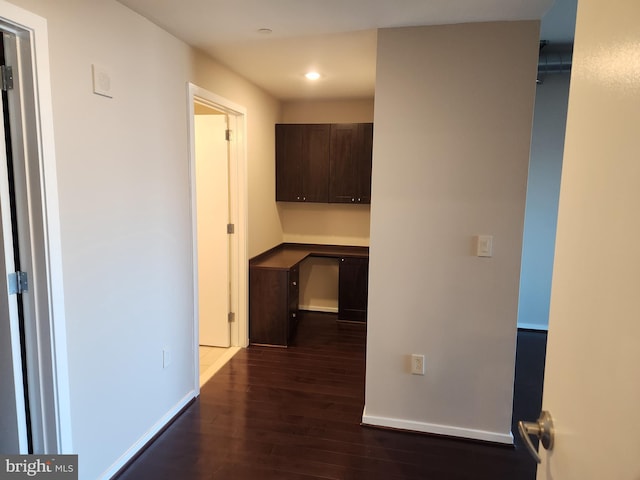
<point x="417" y="364"/>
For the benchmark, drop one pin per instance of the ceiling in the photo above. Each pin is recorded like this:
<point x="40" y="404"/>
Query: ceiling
<point x="337" y="38"/>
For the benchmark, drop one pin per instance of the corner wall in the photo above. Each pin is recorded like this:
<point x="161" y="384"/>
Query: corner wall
<point x="453" y="128"/>
<point x="263" y="112"/>
<point x="543" y="191"/>
<point x="124" y="197"/>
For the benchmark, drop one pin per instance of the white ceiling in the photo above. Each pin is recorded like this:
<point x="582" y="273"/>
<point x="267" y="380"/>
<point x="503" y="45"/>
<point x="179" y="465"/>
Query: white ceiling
<point x="335" y="37"/>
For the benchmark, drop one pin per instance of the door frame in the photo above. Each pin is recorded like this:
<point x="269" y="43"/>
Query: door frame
<point x="237" y="115"/>
<point x="49" y="373"/>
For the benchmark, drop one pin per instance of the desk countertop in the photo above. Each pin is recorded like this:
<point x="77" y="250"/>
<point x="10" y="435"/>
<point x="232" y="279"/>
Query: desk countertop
<point x="287" y="255"/>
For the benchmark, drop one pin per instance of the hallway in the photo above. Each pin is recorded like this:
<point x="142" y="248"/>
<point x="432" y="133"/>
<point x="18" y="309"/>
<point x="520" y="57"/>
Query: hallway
<point x="273" y="413"/>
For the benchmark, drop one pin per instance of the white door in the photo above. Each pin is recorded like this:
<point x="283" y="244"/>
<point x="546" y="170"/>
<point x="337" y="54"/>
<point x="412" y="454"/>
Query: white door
<point x="592" y="378"/>
<point x="13" y="423"/>
<point x="212" y="204"/>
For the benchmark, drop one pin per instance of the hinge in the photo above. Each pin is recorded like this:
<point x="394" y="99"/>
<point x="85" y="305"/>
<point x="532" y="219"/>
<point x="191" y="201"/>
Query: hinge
<point x="6" y="72"/>
<point x="18" y="283"/>
<point x="232" y="317"/>
<point x="228" y="135"/>
<point x="231" y="228"/>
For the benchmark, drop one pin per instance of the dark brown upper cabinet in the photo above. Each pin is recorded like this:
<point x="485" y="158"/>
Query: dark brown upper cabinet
<point x="350" y="163"/>
<point x="324" y="163"/>
<point x="302" y="162"/>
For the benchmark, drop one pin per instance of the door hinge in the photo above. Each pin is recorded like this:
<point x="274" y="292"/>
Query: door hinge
<point x="228" y="135"/>
<point x="232" y="317"/>
<point x="231" y="228"/>
<point x="18" y="283"/>
<point x="6" y="72"/>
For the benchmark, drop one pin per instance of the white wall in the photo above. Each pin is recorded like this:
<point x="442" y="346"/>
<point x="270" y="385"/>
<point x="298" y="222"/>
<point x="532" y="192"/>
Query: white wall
<point x="452" y="139"/>
<point x="123" y="178"/>
<point x="263" y="112"/>
<point x="543" y="189"/>
<point x="328" y="111"/>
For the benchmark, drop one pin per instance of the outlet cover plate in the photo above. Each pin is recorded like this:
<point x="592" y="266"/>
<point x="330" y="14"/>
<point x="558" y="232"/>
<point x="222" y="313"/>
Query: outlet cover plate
<point x="101" y="81"/>
<point x="417" y="364"/>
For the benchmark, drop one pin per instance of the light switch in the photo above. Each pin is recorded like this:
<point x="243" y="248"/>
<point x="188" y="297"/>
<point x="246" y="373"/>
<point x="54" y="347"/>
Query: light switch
<point x="484" y="246"/>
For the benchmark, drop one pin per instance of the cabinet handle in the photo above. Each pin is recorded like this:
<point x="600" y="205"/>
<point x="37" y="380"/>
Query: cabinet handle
<point x="295" y="283"/>
<point x="293" y="315"/>
<point x="297" y="198"/>
<point x="359" y="200"/>
<point x="353" y="199"/>
<point x="304" y="199"/>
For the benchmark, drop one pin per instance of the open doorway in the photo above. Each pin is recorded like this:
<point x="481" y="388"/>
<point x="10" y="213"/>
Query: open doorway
<point x="541" y="211"/>
<point x="35" y="396"/>
<point x="218" y="193"/>
<point x="213" y="239"/>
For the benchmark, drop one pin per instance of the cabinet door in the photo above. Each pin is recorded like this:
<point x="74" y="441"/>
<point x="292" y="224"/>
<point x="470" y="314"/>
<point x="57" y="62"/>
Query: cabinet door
<point x="268" y="306"/>
<point x="302" y="162"/>
<point x="350" y="174"/>
<point x="343" y="183"/>
<point x="353" y="286"/>
<point x="289" y="153"/>
<point x="315" y="163"/>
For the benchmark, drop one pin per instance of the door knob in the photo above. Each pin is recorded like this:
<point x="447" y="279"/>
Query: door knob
<point x="541" y="428"/>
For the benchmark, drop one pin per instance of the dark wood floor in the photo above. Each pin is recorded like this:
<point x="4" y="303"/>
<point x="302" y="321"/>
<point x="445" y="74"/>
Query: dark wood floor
<point x="294" y="414"/>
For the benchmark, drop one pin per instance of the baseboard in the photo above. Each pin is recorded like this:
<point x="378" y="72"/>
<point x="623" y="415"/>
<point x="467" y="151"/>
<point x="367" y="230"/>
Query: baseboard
<point x="312" y="308"/>
<point x="142" y="442"/>
<point x="533" y="326"/>
<point x="445" y="430"/>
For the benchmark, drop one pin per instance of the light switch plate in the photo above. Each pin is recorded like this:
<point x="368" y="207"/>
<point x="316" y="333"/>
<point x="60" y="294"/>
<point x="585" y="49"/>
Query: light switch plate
<point x="101" y="81"/>
<point x="484" y="246"/>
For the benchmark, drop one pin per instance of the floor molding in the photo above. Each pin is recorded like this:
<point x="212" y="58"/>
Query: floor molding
<point x="445" y="430"/>
<point x="143" y="442"/>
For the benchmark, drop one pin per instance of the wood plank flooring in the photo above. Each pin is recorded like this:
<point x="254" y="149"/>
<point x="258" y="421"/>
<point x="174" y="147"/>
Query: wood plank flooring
<point x="294" y="413"/>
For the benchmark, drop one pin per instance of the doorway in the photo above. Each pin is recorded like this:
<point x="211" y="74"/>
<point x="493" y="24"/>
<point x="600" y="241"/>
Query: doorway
<point x="218" y="193"/>
<point x="212" y="213"/>
<point x="541" y="210"/>
<point x="35" y="397"/>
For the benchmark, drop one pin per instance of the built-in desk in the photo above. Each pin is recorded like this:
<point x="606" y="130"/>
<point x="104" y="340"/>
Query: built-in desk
<point x="274" y="288"/>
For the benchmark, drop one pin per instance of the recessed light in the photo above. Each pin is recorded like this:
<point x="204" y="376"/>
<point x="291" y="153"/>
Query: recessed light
<point x="312" y="75"/>
<point x="265" y="31"/>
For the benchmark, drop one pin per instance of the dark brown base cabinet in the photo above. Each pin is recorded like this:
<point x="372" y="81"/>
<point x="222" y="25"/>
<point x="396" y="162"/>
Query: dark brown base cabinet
<point x="274" y="289"/>
<point x="273" y="305"/>
<point x="353" y="289"/>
